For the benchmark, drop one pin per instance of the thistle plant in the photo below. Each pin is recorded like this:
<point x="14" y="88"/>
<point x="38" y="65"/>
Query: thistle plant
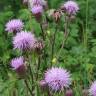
<point x="40" y="57"/>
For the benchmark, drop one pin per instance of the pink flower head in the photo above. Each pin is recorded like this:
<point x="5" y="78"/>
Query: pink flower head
<point x="71" y="7"/>
<point x="24" y="40"/>
<point x="92" y="89"/>
<point x="17" y="62"/>
<point x="57" y="78"/>
<point x="37" y="9"/>
<point x="14" y="25"/>
<point x="39" y="2"/>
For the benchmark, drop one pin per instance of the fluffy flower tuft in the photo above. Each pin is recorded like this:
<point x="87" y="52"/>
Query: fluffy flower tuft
<point x="24" y="40"/>
<point x="92" y="89"/>
<point x="14" y="25"/>
<point x="71" y="7"/>
<point x="17" y="62"/>
<point x="57" y="78"/>
<point x="39" y="2"/>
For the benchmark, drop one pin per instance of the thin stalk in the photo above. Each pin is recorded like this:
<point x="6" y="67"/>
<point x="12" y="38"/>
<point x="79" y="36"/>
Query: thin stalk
<point x="48" y="92"/>
<point x="86" y="26"/>
<point x="66" y="34"/>
<point x="53" y="44"/>
<point x="86" y="37"/>
<point x="43" y="36"/>
<point x="38" y="67"/>
<point x="31" y="74"/>
<point x="26" y="83"/>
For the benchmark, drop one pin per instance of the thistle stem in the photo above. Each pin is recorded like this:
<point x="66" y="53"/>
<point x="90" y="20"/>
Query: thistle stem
<point x="66" y="34"/>
<point x="43" y="36"/>
<point x="53" y="44"/>
<point x="26" y="83"/>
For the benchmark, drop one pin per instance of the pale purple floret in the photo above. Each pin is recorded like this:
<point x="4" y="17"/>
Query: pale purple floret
<point x="71" y="7"/>
<point x="92" y="89"/>
<point x="14" y="25"/>
<point x="17" y="62"/>
<point x="24" y="41"/>
<point x="37" y="9"/>
<point x="57" y="78"/>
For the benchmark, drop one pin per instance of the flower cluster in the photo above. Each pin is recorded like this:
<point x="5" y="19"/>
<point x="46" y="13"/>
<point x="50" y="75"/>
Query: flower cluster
<point x="15" y="25"/>
<point x="57" y="78"/>
<point x="23" y="41"/>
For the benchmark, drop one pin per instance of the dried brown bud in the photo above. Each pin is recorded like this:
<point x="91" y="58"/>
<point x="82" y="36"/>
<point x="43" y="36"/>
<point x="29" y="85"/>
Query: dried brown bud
<point x="39" y="45"/>
<point x="56" y="15"/>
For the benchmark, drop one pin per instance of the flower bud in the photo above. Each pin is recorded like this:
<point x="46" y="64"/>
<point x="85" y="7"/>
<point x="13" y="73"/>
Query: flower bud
<point x="18" y="66"/>
<point x="69" y="93"/>
<point x="39" y="45"/>
<point x="37" y="12"/>
<point x="43" y="85"/>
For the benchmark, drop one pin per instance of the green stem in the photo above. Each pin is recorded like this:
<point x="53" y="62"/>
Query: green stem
<point x="85" y="37"/>
<point x="43" y="36"/>
<point x="53" y="44"/>
<point x="66" y="34"/>
<point x="26" y="83"/>
<point x="38" y="67"/>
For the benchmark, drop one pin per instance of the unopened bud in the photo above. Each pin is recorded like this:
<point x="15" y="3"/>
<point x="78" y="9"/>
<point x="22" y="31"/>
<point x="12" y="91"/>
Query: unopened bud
<point x="69" y="92"/>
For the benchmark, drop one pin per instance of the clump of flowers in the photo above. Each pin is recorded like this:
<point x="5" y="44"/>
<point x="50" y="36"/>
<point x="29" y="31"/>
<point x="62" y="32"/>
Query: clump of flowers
<point x="14" y="25"/>
<point x="92" y="89"/>
<point x="24" y="40"/>
<point x="57" y="78"/>
<point x="71" y="7"/>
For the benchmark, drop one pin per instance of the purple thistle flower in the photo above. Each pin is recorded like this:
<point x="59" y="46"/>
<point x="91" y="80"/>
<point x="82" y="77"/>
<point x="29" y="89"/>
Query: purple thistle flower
<point x="57" y="78"/>
<point x="24" y="40"/>
<point x="17" y="62"/>
<point x="37" y="9"/>
<point x="71" y="7"/>
<point x="14" y="25"/>
<point x="39" y="2"/>
<point x="92" y="89"/>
